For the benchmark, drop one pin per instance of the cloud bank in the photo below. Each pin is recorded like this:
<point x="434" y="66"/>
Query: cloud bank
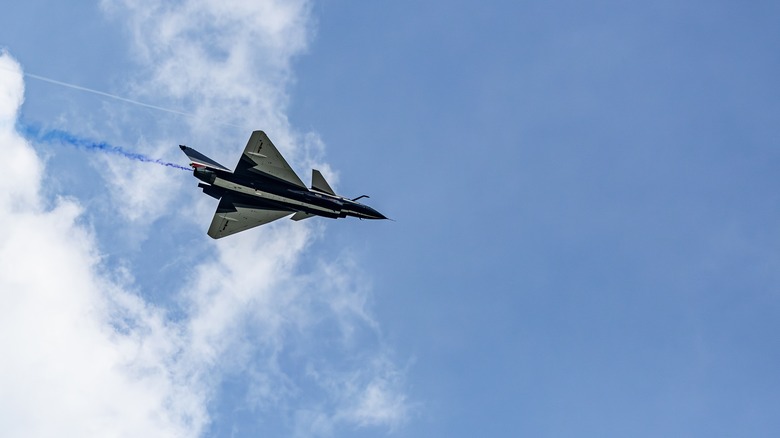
<point x="90" y="356"/>
<point x="68" y="368"/>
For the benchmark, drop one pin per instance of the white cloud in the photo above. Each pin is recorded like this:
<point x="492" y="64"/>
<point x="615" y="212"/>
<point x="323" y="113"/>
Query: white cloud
<point x="94" y="358"/>
<point x="66" y="369"/>
<point x="142" y="193"/>
<point x="227" y="62"/>
<point x="20" y="185"/>
<point x="231" y="61"/>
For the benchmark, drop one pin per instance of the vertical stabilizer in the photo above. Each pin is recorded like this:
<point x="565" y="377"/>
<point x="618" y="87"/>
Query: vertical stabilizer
<point x="318" y="183"/>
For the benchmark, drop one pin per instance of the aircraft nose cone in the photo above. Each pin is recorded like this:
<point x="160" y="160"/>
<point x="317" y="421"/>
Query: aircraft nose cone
<point x="377" y="215"/>
<point x="363" y="211"/>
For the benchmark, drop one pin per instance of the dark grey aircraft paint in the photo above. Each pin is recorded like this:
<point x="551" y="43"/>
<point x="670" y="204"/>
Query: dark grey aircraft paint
<point x="264" y="188"/>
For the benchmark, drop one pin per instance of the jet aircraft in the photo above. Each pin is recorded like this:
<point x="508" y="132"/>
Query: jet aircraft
<point x="264" y="188"/>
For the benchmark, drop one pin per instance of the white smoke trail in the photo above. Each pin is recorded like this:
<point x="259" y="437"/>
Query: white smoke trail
<point x="122" y="99"/>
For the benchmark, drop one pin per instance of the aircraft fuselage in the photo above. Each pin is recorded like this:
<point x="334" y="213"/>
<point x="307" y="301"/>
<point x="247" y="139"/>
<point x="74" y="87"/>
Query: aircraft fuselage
<point x="267" y="192"/>
<point x="263" y="188"/>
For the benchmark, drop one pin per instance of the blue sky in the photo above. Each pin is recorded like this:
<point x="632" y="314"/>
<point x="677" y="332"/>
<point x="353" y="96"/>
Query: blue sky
<point x="585" y="244"/>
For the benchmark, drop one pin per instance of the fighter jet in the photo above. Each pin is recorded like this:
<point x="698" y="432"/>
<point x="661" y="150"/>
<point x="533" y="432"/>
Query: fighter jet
<point x="264" y="188"/>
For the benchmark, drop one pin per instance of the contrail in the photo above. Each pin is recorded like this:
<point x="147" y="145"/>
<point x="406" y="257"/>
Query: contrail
<point x="56" y="135"/>
<point x="120" y="98"/>
<point x="101" y="93"/>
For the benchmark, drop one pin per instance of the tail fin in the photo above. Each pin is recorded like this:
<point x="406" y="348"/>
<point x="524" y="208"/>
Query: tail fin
<point x="318" y="183"/>
<point x="200" y="160"/>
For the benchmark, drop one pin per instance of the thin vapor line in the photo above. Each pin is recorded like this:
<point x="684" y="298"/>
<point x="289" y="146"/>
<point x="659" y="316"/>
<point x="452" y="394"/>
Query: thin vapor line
<point x="120" y="98"/>
<point x="101" y="93"/>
